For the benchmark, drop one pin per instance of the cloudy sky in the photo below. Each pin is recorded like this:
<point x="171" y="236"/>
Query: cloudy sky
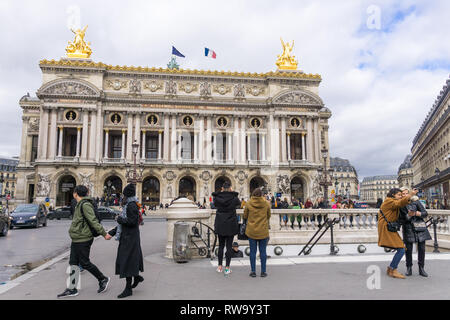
<point x="383" y="63"/>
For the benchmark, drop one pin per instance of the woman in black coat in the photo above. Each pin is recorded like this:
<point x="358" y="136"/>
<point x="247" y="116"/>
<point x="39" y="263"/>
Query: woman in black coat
<point x="410" y="217"/>
<point x="226" y="223"/>
<point x="129" y="259"/>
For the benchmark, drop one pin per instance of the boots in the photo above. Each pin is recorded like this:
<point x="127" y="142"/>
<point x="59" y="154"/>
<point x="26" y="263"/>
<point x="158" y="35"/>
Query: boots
<point x="422" y="272"/>
<point x="409" y="271"/>
<point x="126" y="293"/>
<point x="394" y="273"/>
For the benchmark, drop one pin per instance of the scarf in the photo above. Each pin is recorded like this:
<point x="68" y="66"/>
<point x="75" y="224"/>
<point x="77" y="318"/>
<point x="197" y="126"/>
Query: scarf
<point x="123" y="214"/>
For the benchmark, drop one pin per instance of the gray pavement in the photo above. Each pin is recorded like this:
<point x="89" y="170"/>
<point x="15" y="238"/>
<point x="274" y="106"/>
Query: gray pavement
<point x="198" y="279"/>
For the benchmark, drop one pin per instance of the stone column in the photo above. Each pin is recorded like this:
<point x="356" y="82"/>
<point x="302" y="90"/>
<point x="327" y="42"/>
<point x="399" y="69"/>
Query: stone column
<point x="249" y="149"/>
<point x="137" y="134"/>
<point x="43" y="133"/>
<point x="289" y="146"/>
<point x="99" y="134"/>
<point x="263" y="147"/>
<point x="283" y="140"/>
<point x="61" y="128"/>
<point x="173" y="144"/>
<point x="215" y="147"/>
<point x="53" y="133"/>
<point x="242" y="142"/>
<point x="271" y="138"/>
<point x="24" y="141"/>
<point x="309" y="136"/>
<point x="208" y="140"/>
<point x="179" y="157"/>
<point x="160" y="145"/>
<point x="106" y="144"/>
<point x="230" y="146"/>
<point x="276" y="142"/>
<point x="303" y="146"/>
<point x="130" y="138"/>
<point x="28" y="149"/>
<point x="317" y="140"/>
<point x="77" y="153"/>
<point x="195" y="145"/>
<point x="84" y="135"/>
<point x="93" y="136"/>
<point x="143" y="144"/>
<point x="236" y="156"/>
<point x="166" y="137"/>
<point x="122" y="152"/>
<point x="201" y="137"/>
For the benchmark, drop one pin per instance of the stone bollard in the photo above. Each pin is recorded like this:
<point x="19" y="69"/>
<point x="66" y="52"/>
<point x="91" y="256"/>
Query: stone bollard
<point x="185" y="210"/>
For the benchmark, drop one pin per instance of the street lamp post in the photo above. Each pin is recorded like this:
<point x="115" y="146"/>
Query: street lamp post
<point x="326" y="178"/>
<point x="132" y="175"/>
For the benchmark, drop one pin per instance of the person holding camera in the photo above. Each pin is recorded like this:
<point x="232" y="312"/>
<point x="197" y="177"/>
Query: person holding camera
<point x="388" y="227"/>
<point x="414" y="231"/>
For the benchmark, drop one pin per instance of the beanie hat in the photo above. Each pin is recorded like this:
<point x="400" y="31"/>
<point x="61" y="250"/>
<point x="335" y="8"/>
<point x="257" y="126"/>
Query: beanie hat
<point x="129" y="191"/>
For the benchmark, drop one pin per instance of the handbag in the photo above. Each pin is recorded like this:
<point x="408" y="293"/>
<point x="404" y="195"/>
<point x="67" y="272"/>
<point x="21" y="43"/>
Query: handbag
<point x="391" y="226"/>
<point x="242" y="228"/>
<point x="419" y="226"/>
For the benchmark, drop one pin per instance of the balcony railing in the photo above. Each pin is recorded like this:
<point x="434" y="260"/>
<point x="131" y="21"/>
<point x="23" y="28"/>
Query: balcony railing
<point x="113" y="160"/>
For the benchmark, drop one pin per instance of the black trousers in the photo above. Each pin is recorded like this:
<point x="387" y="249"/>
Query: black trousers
<point x="228" y="240"/>
<point x="79" y="255"/>
<point x="420" y="251"/>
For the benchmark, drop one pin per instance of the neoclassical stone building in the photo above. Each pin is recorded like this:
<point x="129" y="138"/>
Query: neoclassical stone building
<point x="345" y="178"/>
<point x="373" y="188"/>
<point x="431" y="152"/>
<point x="194" y="131"/>
<point x="405" y="173"/>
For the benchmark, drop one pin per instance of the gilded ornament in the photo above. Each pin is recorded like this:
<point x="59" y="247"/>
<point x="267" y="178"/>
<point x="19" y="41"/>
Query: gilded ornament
<point x="153" y="86"/>
<point x="222" y="89"/>
<point x="79" y="48"/>
<point x="286" y="61"/>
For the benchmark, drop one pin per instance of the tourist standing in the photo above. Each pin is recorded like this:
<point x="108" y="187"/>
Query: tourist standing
<point x="81" y="230"/>
<point x="129" y="261"/>
<point x="257" y="214"/>
<point x="388" y="239"/>
<point x="411" y="217"/>
<point x="226" y="223"/>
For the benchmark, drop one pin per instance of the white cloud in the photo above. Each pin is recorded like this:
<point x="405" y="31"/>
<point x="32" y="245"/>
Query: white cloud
<point x="376" y="82"/>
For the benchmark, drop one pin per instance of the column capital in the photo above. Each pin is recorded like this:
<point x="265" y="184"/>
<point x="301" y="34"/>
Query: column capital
<point x="288" y="133"/>
<point x="124" y="130"/>
<point x="106" y="130"/>
<point x="144" y="131"/>
<point x="160" y="131"/>
<point x="60" y="127"/>
<point x="78" y="128"/>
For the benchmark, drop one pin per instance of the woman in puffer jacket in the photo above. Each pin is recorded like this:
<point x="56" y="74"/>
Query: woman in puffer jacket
<point x="414" y="231"/>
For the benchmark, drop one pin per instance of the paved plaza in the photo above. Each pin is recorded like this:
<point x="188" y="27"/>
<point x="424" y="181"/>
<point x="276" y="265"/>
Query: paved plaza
<point x="299" y="278"/>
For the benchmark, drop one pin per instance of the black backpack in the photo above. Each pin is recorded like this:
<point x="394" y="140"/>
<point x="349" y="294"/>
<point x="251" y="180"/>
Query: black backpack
<point x="97" y="216"/>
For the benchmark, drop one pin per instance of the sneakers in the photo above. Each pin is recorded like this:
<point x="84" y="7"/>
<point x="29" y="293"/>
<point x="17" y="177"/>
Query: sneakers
<point x="219" y="269"/>
<point x="68" y="293"/>
<point x="263" y="274"/>
<point x="252" y="274"/>
<point x="103" y="285"/>
<point x="227" y="271"/>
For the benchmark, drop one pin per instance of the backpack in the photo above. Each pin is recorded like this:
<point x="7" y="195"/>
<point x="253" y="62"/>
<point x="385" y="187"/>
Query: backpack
<point x="97" y="216"/>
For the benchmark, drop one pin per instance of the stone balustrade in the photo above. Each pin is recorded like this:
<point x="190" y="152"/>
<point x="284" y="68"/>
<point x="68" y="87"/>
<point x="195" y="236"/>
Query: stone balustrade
<point x="297" y="226"/>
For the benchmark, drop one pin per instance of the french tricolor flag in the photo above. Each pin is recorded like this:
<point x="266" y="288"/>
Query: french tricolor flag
<point x="210" y="53"/>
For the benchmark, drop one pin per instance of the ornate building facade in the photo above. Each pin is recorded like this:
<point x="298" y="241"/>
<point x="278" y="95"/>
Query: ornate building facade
<point x="405" y="173"/>
<point x="431" y="152"/>
<point x="188" y="131"/>
<point x="345" y="178"/>
<point x="373" y="188"/>
<point x="8" y="177"/>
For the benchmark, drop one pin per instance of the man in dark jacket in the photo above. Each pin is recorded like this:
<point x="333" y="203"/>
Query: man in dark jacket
<point x="226" y="222"/>
<point x="236" y="253"/>
<point x="80" y="232"/>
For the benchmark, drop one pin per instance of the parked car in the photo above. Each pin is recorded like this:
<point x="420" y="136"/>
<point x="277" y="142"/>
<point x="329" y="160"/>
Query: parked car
<point x="63" y="212"/>
<point x="107" y="213"/>
<point x="4" y="222"/>
<point x="29" y="215"/>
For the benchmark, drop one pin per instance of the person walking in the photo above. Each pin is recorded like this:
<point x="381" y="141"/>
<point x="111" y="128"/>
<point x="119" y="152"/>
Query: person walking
<point x="84" y="223"/>
<point x="389" y="212"/>
<point x="226" y="223"/>
<point x="129" y="261"/>
<point x="414" y="231"/>
<point x="257" y="213"/>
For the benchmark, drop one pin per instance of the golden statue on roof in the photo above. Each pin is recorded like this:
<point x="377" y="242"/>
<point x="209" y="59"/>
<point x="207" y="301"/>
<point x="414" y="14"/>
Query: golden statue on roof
<point x="79" y="48"/>
<point x="286" y="61"/>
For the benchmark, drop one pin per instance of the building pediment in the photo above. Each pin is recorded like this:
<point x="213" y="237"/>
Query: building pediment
<point x="68" y="88"/>
<point x="297" y="97"/>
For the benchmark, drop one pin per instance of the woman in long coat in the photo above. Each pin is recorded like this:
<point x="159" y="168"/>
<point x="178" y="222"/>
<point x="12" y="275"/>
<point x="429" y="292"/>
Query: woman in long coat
<point x="414" y="212"/>
<point x="129" y="259"/>
<point x="390" y="208"/>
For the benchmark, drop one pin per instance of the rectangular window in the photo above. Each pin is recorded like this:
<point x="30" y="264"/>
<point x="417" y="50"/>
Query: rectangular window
<point x="34" y="147"/>
<point x="151" y="146"/>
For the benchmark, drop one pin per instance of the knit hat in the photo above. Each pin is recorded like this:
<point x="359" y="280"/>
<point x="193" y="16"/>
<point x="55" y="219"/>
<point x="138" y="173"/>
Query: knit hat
<point x="129" y="191"/>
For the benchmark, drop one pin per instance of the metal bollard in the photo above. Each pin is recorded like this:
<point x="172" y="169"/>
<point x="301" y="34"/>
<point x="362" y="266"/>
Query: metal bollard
<point x="181" y="242"/>
<point x="436" y="245"/>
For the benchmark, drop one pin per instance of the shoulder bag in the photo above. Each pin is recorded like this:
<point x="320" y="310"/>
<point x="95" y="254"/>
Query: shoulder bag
<point x="391" y="226"/>
<point x="242" y="228"/>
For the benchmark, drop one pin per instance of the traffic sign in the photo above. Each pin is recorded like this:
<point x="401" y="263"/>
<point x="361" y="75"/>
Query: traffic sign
<point x="47" y="199"/>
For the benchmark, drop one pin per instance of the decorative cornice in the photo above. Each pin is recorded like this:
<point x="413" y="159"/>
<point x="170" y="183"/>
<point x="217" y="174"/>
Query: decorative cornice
<point x="100" y="65"/>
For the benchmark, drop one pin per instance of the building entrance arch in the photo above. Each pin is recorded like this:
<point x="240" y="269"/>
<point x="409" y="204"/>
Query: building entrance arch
<point x="297" y="189"/>
<point x="257" y="182"/>
<point x="187" y="188"/>
<point x="219" y="183"/>
<point x="151" y="191"/>
<point x="64" y="194"/>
